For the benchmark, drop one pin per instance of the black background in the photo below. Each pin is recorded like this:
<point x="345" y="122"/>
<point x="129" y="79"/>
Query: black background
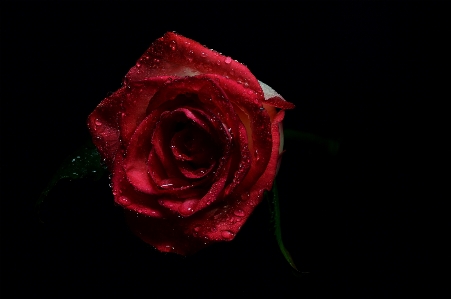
<point x="362" y="223"/>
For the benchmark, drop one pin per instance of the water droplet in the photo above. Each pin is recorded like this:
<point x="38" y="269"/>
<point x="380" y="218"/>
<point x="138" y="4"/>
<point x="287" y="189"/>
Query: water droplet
<point x="218" y="62"/>
<point x="173" y="45"/>
<point x="246" y="196"/>
<point x="197" y="228"/>
<point x="123" y="201"/>
<point x="228" y="60"/>
<point x="98" y="123"/>
<point x="213" y="229"/>
<point x="187" y="207"/>
<point x="169" y="248"/>
<point x="239" y="213"/>
<point x="203" y="54"/>
<point x="256" y="155"/>
<point x="227" y="235"/>
<point x="73" y="160"/>
<point x="138" y="65"/>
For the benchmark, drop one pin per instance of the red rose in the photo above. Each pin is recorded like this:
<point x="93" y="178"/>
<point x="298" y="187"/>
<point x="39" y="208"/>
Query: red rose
<point x="192" y="140"/>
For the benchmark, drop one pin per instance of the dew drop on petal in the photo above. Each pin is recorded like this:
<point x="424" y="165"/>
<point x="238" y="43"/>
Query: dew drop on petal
<point x="173" y="45"/>
<point x="98" y="123"/>
<point x="239" y="213"/>
<point x="124" y="201"/>
<point x="169" y="248"/>
<point x="228" y="60"/>
<point x="246" y="196"/>
<point x="187" y="207"/>
<point x="227" y="235"/>
<point x="256" y="155"/>
<point x="197" y="228"/>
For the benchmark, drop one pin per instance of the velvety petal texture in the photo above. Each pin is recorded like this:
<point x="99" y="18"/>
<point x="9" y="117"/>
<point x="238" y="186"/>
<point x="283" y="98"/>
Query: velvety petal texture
<point x="193" y="140"/>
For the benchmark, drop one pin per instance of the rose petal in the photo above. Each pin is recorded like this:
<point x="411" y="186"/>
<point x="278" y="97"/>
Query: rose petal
<point x="273" y="98"/>
<point x="128" y="197"/>
<point x="258" y="126"/>
<point x="135" y="102"/>
<point x="176" y="55"/>
<point x="103" y="125"/>
<point x="135" y="162"/>
<point x="166" y="235"/>
<point x="265" y="181"/>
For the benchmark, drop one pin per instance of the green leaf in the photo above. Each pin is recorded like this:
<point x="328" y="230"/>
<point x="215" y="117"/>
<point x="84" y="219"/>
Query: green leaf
<point x="275" y="218"/>
<point x="83" y="163"/>
<point x="332" y="145"/>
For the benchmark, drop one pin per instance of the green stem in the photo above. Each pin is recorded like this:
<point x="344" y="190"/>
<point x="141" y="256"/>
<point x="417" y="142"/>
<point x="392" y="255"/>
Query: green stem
<point x="277" y="227"/>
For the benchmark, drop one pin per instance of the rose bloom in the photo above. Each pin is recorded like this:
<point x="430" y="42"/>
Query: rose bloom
<point x="192" y="139"/>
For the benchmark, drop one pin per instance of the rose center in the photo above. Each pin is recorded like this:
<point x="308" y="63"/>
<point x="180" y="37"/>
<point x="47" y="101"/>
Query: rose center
<point x="193" y="147"/>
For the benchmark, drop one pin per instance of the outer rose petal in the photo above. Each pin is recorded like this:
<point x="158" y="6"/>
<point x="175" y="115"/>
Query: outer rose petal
<point x="171" y="205"/>
<point x="103" y="125"/>
<point x="274" y="99"/>
<point x="176" y="55"/>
